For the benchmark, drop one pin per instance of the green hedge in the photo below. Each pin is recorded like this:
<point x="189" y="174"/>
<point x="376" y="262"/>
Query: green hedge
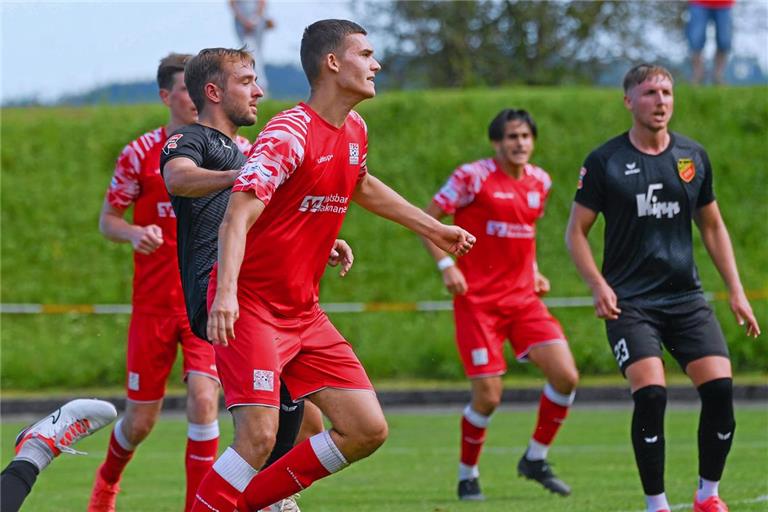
<point x="56" y="164"/>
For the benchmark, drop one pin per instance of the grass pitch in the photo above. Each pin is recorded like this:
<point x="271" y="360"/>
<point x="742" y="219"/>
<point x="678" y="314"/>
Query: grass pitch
<point x="416" y="469"/>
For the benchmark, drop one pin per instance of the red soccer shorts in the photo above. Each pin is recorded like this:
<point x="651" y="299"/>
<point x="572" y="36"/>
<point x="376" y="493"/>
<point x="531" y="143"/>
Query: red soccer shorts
<point x="152" y="347"/>
<point x="481" y="331"/>
<point x="308" y="353"/>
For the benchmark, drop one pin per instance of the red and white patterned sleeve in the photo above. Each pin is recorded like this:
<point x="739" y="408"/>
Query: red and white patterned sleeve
<point x="243" y="144"/>
<point x="462" y="186"/>
<point x="124" y="187"/>
<point x="275" y="155"/>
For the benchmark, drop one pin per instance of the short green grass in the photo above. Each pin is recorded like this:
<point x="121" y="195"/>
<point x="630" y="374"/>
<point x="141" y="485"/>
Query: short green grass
<point x="416" y="468"/>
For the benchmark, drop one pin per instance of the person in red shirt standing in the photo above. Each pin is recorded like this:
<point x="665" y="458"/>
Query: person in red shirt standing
<point x="159" y="319"/>
<point x="284" y="213"/>
<point x="496" y="292"/>
<point x="700" y="13"/>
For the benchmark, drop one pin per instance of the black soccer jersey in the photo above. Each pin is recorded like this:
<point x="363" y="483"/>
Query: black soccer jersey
<point x="198" y="218"/>
<point x="648" y="202"/>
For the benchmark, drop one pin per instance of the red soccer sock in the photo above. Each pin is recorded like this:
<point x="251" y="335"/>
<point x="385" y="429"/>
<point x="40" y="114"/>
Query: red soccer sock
<point x="117" y="458"/>
<point x="473" y="427"/>
<point x="215" y="493"/>
<point x="307" y="462"/>
<point x="551" y="415"/>
<point x="199" y="459"/>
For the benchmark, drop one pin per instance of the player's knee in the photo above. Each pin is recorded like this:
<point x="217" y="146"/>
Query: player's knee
<point x="372" y="436"/>
<point x="139" y="427"/>
<point x="717" y="397"/>
<point x="255" y="444"/>
<point x="566" y="381"/>
<point x="650" y="397"/>
<point x="202" y="404"/>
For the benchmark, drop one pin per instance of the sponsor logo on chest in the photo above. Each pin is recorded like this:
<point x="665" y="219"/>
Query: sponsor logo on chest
<point x="333" y="203"/>
<point x="648" y="204"/>
<point x="503" y="229"/>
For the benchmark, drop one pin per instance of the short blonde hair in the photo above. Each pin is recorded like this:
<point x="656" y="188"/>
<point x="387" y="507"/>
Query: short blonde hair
<point x="640" y="73"/>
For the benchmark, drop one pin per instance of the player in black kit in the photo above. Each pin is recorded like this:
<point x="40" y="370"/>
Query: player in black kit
<point x="200" y="163"/>
<point x="649" y="183"/>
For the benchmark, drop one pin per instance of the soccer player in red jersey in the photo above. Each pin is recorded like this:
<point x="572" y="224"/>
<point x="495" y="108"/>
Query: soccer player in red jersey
<point x="159" y="320"/>
<point x="284" y="213"/>
<point x="496" y="292"/>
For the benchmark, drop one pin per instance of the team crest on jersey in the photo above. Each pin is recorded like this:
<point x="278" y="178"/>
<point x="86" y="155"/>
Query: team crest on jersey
<point x="534" y="200"/>
<point x="171" y="143"/>
<point x="582" y="173"/>
<point x="354" y="153"/>
<point x="686" y="169"/>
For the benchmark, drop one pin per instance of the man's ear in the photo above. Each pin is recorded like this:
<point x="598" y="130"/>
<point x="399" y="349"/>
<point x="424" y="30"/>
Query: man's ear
<point x="213" y="92"/>
<point x="165" y="97"/>
<point x="332" y="62"/>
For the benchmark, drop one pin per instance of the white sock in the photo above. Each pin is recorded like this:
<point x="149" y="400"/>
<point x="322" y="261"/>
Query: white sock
<point x="203" y="431"/>
<point x="327" y="452"/>
<point x="656" y="502"/>
<point x="36" y="452"/>
<point x="123" y="441"/>
<point x="536" y="450"/>
<point x="706" y="489"/>
<point x="468" y="472"/>
<point x="234" y="469"/>
<point x="475" y="418"/>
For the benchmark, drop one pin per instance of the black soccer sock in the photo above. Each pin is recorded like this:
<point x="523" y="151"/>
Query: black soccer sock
<point x="291" y="414"/>
<point x="16" y="483"/>
<point x="716" y="427"/>
<point x="648" y="436"/>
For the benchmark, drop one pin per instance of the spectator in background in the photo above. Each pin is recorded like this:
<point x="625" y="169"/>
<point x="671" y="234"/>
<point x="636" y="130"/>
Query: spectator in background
<point x="250" y="24"/>
<point x="700" y="13"/>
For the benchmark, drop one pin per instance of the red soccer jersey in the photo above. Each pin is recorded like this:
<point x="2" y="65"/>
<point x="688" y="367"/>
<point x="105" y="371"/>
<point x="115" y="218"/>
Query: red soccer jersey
<point x="501" y="211"/>
<point x="137" y="181"/>
<point x="305" y="170"/>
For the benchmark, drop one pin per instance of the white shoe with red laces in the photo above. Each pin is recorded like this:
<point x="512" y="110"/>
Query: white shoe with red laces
<point x="69" y="424"/>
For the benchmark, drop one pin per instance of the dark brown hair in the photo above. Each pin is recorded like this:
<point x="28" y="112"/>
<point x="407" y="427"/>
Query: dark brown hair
<point x="321" y="38"/>
<point x="208" y="67"/>
<point x="640" y="73"/>
<point x="170" y="65"/>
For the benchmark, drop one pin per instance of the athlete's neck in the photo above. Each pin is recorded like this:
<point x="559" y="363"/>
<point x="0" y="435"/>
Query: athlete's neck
<point x="218" y="121"/>
<point x="173" y="125"/>
<point x="332" y="106"/>
<point x="648" y="141"/>
<point x="510" y="169"/>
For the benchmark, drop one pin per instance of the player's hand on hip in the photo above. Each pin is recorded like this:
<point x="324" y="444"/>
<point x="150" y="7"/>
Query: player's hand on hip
<point x="341" y="254"/>
<point x="540" y="283"/>
<point x="146" y="239"/>
<point x="743" y="313"/>
<point x="222" y="317"/>
<point x="454" y="280"/>
<point x="606" y="303"/>
<point x="453" y="239"/>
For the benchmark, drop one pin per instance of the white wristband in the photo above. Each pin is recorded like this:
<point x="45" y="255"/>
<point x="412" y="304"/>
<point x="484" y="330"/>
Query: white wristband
<point x="444" y="263"/>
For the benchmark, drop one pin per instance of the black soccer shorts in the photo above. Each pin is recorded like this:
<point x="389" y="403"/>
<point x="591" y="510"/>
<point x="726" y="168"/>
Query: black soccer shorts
<point x="689" y="331"/>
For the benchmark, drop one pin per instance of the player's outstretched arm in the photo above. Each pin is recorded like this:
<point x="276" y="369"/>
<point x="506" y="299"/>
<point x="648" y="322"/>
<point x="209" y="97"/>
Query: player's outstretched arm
<point x="184" y="178"/>
<point x="715" y="236"/>
<point x="341" y="254"/>
<point x="579" y="225"/>
<point x="114" y="227"/>
<point x="243" y="210"/>
<point x="373" y="195"/>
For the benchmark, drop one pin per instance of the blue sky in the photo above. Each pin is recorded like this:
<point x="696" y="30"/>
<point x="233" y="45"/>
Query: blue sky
<point x="63" y="46"/>
<point x="56" y="47"/>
